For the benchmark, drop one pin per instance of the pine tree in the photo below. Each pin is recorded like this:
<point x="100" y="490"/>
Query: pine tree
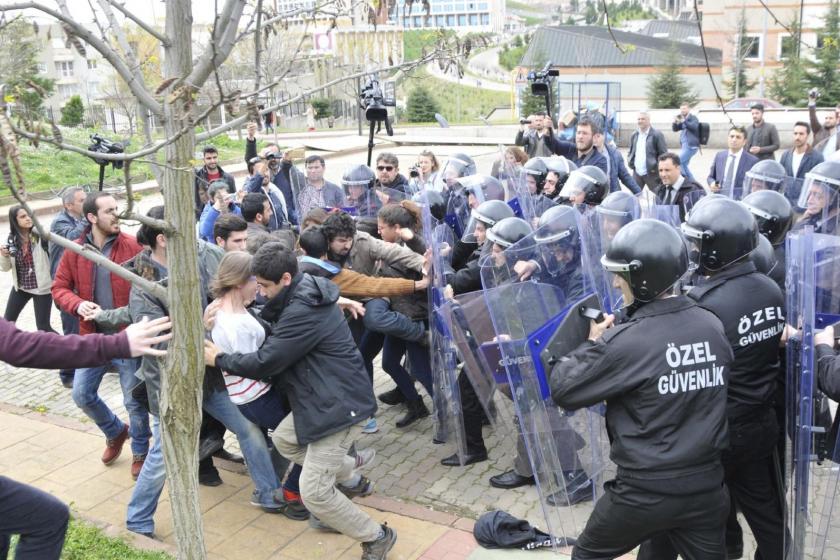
<point x="823" y="72"/>
<point x="788" y="83"/>
<point x="667" y="89"/>
<point x="73" y="112"/>
<point x="421" y="106"/>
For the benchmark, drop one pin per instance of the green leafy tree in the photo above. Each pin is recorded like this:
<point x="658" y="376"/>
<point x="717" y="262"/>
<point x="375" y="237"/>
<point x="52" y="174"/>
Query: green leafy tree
<point x="667" y="89"/>
<point x="73" y="112"/>
<point x="739" y="84"/>
<point x="323" y="108"/>
<point x="591" y="14"/>
<point x="788" y="83"/>
<point x="19" y="67"/>
<point x="421" y="106"/>
<point x="823" y="71"/>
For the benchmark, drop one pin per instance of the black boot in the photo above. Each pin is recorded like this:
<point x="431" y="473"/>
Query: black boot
<point x="416" y="411"/>
<point x="392" y="397"/>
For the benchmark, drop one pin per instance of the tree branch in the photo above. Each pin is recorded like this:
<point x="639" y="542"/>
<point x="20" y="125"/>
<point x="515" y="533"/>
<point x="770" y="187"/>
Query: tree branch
<point x="164" y="40"/>
<point x="257" y="47"/>
<point x="130" y="214"/>
<point x="223" y="43"/>
<point x="708" y="67"/>
<point x="618" y="45"/>
<point x="137" y="88"/>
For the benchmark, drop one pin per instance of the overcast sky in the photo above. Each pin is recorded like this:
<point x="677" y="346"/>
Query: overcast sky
<point x="203" y="10"/>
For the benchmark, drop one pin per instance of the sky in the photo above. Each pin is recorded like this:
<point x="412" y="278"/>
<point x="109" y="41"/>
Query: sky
<point x="147" y="10"/>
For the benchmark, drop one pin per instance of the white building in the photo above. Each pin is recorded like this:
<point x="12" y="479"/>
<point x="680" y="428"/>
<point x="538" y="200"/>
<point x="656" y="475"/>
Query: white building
<point x="459" y="15"/>
<point x="73" y="73"/>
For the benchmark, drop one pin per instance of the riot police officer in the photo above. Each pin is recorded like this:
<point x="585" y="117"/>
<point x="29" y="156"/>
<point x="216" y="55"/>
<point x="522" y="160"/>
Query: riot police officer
<point x="662" y="372"/>
<point x="820" y="199"/>
<point x="722" y="234"/>
<point x="774" y="216"/>
<point x="358" y="182"/>
<point x="767" y="174"/>
<point x="559" y="169"/>
<point x="587" y="185"/>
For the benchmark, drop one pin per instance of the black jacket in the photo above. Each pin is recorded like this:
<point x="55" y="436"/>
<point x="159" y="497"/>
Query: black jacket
<point x="663" y="374"/>
<point x="754" y="326"/>
<point x="687" y="195"/>
<point x="655" y="146"/>
<point x="312" y="353"/>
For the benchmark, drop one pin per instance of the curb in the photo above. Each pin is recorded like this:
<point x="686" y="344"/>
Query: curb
<point x="381" y="503"/>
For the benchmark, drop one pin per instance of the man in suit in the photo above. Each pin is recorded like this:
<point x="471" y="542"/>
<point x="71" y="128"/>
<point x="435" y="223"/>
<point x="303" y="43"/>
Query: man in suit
<point x="727" y="173"/>
<point x="762" y="137"/>
<point x="801" y="158"/>
<point x="646" y="145"/>
<point x="674" y="188"/>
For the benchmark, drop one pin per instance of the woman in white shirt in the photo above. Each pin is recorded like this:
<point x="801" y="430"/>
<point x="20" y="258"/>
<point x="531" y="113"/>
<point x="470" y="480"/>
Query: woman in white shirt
<point x="236" y="330"/>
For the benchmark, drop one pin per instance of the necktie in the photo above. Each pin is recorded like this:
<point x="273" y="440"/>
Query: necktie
<point x="728" y="178"/>
<point x="669" y="195"/>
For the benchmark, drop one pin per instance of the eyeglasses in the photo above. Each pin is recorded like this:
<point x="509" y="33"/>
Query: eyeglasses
<point x="385" y="167"/>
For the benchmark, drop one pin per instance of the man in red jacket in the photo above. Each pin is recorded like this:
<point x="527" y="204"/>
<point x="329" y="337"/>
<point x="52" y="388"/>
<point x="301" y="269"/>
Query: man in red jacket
<point x="39" y="518"/>
<point x="80" y="287"/>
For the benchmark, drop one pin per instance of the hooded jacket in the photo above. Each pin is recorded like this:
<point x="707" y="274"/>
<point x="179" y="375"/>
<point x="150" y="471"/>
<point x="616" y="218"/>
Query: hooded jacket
<point x="313" y="358"/>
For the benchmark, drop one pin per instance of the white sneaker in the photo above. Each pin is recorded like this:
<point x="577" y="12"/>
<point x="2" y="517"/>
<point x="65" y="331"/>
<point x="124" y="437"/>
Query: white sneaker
<point x="371" y="427"/>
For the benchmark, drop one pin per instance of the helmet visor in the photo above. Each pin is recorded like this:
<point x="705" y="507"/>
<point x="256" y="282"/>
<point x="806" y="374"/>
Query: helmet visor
<point x="754" y="182"/>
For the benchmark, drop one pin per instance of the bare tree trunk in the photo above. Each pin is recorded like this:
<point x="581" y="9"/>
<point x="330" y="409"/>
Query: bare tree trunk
<point x="181" y="388"/>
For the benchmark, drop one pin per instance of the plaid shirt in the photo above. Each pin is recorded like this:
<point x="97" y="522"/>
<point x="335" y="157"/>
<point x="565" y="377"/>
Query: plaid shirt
<point x="25" y="268"/>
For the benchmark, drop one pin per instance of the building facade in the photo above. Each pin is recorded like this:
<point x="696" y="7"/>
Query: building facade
<point x="458" y="15"/>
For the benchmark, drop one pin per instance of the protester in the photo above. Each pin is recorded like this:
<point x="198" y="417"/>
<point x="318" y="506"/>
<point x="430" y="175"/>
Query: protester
<point x="311" y="351"/>
<point x="762" y="137"/>
<point x="220" y="202"/>
<point x="26" y="255"/>
<point x="801" y="158"/>
<point x="38" y="517"/>
<point x="318" y="192"/>
<point x="205" y="175"/>
<point x="646" y="145"/>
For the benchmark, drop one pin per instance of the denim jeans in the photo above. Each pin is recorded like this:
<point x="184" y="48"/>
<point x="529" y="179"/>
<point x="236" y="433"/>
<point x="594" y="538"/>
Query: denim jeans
<point x="144" y="499"/>
<point x="380" y="319"/>
<point x="86" y="396"/>
<point x="686" y="154"/>
<point x="392" y="354"/>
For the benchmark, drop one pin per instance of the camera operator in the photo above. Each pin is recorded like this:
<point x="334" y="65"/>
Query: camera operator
<point x="423" y="174"/>
<point x="281" y="172"/>
<point x="689" y="128"/>
<point x="826" y="139"/>
<point x="209" y="172"/>
<point x="535" y="139"/>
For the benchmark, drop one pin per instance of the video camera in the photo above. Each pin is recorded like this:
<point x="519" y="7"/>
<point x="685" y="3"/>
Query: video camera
<point x="541" y="80"/>
<point x="374" y="102"/>
<point x="105" y="146"/>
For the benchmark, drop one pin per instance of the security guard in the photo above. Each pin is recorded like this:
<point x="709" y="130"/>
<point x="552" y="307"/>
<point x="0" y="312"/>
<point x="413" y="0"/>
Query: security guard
<point x="723" y="233"/>
<point x="774" y="215"/>
<point x="663" y="374"/>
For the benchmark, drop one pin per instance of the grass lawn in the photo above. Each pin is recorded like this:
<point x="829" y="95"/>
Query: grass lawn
<point x="47" y="167"/>
<point x="473" y="101"/>
<point x="86" y="542"/>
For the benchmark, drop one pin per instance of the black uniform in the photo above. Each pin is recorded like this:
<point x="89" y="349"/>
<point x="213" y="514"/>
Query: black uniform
<point x="666" y="417"/>
<point x="754" y="326"/>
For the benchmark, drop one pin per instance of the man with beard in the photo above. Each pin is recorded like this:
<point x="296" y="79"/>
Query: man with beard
<point x="205" y="175"/>
<point x="535" y="140"/>
<point x="801" y="158"/>
<point x="582" y="151"/>
<point x="762" y="137"/>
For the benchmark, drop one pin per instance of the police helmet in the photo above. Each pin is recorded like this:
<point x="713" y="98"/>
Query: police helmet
<point x="827" y="176"/>
<point x="650" y="255"/>
<point x="492" y="211"/>
<point x="536" y="168"/>
<point x="462" y="164"/>
<point x="434" y="201"/>
<point x="773" y="212"/>
<point x="358" y="175"/>
<point x="591" y="181"/>
<point x="763" y="256"/>
<point x="483" y="187"/>
<point x="558" y="224"/>
<point x="620" y="204"/>
<point x="508" y="231"/>
<point x="767" y="174"/>
<point x="559" y="165"/>
<point x="722" y="232"/>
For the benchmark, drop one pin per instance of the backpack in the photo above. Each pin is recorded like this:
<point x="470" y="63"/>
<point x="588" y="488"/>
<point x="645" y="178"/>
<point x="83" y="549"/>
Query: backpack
<point x="703" y="133"/>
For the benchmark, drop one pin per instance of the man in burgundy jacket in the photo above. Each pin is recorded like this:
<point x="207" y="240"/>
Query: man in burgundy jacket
<point x="38" y="517"/>
<point x="80" y="287"/>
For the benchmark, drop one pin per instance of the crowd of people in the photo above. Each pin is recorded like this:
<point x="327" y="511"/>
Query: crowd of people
<point x="304" y="282"/>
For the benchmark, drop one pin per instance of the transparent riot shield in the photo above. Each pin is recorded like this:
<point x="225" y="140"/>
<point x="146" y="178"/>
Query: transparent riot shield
<point x="618" y="209"/>
<point x="812" y="457"/>
<point x="651" y="208"/>
<point x="537" y="322"/>
<point x="361" y="201"/>
<point x="531" y="203"/>
<point x="465" y="195"/>
<point x="444" y="361"/>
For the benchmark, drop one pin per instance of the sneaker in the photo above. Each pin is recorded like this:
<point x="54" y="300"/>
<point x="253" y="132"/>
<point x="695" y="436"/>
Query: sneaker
<point x="362" y="489"/>
<point x="294" y="506"/>
<point x="137" y="465"/>
<point x="378" y="549"/>
<point x="365" y="457"/>
<point x="210" y="478"/>
<point x="295" y="511"/>
<point x="113" y="447"/>
<point x="371" y="427"/>
<point x="316" y="523"/>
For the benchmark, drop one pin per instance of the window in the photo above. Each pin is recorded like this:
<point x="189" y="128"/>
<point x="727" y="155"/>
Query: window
<point x="42" y="68"/>
<point x="485" y="19"/>
<point x="417" y="22"/>
<point x="64" y="69"/>
<point x="91" y="64"/>
<point x="473" y="19"/>
<point x="462" y="20"/>
<point x="751" y="47"/>
<point x="439" y="21"/>
<point x="787" y="47"/>
<point x="67" y="90"/>
<point x="450" y="21"/>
